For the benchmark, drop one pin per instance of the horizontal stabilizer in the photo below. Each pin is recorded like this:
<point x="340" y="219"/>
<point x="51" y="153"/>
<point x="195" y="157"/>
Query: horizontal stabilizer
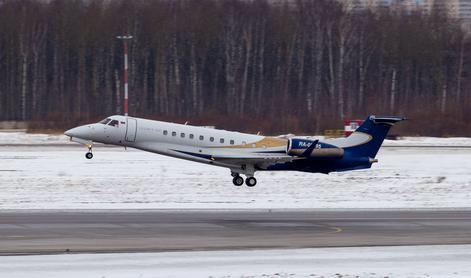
<point x="386" y="120"/>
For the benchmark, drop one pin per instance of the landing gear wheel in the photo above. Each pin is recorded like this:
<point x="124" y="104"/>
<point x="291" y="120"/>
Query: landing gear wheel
<point x="251" y="182"/>
<point x="238" y="180"/>
<point x="89" y="155"/>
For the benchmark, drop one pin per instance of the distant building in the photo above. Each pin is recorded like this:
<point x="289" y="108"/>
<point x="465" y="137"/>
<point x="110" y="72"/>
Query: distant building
<point x="403" y="5"/>
<point x="357" y="5"/>
<point x="449" y="7"/>
<point x="465" y="9"/>
<point x="412" y="5"/>
<point x="458" y="9"/>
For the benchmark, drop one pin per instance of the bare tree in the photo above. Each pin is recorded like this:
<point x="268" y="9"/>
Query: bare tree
<point x="216" y="61"/>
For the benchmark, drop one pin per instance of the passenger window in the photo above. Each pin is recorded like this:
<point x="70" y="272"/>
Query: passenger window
<point x="211" y="139"/>
<point x="114" y="123"/>
<point x="201" y="137"/>
<point x="174" y="133"/>
<point x="244" y="143"/>
<point x="182" y="135"/>
<point x="192" y="136"/>
<point x="221" y="140"/>
<point x="232" y="142"/>
<point x="165" y="132"/>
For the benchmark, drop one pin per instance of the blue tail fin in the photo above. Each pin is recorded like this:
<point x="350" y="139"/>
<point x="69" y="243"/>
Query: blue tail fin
<point x="375" y="129"/>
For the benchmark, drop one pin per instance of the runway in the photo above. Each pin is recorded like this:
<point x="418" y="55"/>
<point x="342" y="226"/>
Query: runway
<point x="54" y="231"/>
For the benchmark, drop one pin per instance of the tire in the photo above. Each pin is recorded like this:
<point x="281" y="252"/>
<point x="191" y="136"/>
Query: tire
<point x="251" y="182"/>
<point x="89" y="155"/>
<point x="238" y="181"/>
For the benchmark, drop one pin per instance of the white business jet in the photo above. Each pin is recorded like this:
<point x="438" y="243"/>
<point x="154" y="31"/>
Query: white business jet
<point x="242" y="153"/>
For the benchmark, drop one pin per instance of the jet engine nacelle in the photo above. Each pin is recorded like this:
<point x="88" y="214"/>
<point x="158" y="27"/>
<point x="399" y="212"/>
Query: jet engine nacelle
<point x="312" y="149"/>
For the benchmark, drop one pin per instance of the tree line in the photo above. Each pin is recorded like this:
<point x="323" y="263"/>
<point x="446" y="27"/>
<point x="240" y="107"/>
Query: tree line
<point x="298" y="66"/>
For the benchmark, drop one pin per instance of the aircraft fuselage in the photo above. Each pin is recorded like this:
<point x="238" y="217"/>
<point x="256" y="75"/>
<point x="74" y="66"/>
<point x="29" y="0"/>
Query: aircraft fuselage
<point x="240" y="152"/>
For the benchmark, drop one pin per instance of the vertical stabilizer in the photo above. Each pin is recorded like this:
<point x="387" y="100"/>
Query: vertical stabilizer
<point x="375" y="128"/>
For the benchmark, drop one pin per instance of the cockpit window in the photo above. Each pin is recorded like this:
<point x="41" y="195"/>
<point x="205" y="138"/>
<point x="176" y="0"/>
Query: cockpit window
<point x="105" y="121"/>
<point x="114" y="123"/>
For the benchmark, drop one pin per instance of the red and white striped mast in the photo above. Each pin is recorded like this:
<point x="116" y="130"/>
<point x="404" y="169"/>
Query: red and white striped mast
<point x="125" y="40"/>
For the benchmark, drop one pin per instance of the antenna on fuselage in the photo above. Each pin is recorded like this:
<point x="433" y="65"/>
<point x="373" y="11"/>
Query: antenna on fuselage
<point x="125" y="39"/>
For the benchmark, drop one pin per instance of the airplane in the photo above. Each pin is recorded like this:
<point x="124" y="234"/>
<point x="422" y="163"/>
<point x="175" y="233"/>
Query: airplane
<point x="242" y="153"/>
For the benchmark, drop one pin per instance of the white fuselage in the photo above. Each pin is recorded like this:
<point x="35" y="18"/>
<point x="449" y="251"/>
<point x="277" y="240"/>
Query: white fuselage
<point x="240" y="152"/>
<point x="194" y="143"/>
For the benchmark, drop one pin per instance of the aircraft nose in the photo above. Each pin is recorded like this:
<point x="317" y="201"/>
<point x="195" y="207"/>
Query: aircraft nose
<point x="71" y="132"/>
<point x="78" y="132"/>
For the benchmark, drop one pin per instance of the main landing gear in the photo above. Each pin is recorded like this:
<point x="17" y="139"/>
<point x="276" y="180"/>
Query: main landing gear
<point x="251" y="181"/>
<point x="238" y="180"/>
<point x="89" y="154"/>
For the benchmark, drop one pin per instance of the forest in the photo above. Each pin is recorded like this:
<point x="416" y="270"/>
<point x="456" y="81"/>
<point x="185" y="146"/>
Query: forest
<point x="298" y="66"/>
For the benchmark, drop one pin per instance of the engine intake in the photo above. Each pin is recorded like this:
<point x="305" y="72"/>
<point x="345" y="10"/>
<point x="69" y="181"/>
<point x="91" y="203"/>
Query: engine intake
<point x="312" y="149"/>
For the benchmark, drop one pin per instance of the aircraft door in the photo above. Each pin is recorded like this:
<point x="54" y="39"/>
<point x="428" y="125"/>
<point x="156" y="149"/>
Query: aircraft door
<point x="131" y="130"/>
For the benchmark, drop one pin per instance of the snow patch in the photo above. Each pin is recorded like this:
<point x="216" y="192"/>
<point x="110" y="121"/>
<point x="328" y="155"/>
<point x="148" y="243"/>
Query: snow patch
<point x="22" y="138"/>
<point x="365" y="262"/>
<point x="61" y="178"/>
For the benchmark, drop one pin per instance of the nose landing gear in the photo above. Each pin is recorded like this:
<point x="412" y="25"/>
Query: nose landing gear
<point x="89" y="154"/>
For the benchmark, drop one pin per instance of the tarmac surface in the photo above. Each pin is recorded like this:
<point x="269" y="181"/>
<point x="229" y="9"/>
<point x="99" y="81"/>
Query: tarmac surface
<point x="75" y="231"/>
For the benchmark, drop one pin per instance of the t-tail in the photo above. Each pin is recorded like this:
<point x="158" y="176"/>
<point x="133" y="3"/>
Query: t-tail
<point x="367" y="139"/>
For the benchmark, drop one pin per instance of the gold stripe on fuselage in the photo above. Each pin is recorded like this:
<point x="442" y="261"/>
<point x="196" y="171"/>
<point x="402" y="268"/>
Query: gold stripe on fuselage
<point x="267" y="142"/>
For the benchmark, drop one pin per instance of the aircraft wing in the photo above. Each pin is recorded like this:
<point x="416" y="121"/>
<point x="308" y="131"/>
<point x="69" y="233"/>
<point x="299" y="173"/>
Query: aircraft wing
<point x="231" y="158"/>
<point x="258" y="159"/>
